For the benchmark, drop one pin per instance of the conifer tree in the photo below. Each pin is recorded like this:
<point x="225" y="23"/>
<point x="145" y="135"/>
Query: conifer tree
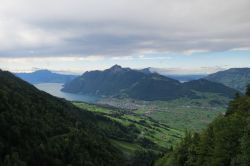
<point x="248" y="90"/>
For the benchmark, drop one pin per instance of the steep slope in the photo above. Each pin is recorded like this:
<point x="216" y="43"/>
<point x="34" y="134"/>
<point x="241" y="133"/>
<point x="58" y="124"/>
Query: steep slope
<point x="157" y="87"/>
<point x="141" y="84"/>
<point x="39" y="129"/>
<point x="225" y="142"/>
<point x="45" y="76"/>
<point x="236" y="78"/>
<point x="108" y="82"/>
<point x="179" y="77"/>
<point x="205" y="86"/>
<point x="186" y="77"/>
<point x="141" y="140"/>
<point x="147" y="70"/>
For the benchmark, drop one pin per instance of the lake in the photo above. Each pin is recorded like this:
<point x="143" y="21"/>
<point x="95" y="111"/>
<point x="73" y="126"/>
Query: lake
<point x="55" y="90"/>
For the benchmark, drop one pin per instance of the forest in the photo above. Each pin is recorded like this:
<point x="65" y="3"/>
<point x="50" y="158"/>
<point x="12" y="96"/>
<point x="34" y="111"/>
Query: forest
<point x="39" y="129"/>
<point x="225" y="142"/>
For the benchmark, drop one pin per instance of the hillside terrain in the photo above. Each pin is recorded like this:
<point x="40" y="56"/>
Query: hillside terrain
<point x="237" y="78"/>
<point x="182" y="114"/>
<point x="107" y="82"/>
<point x="45" y="76"/>
<point x="45" y="130"/>
<point x="127" y="83"/>
<point x="145" y="138"/>
<point x="186" y="77"/>
<point x="225" y="142"/>
<point x="179" y="77"/>
<point x="51" y="131"/>
<point x="39" y="129"/>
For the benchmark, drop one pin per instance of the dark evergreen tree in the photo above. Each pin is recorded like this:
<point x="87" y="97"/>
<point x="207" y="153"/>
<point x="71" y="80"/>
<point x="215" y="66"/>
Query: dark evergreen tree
<point x="248" y="90"/>
<point x="39" y="129"/>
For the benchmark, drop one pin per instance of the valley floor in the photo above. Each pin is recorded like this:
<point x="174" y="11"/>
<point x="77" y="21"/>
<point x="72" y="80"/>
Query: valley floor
<point x="158" y="125"/>
<point x="182" y="114"/>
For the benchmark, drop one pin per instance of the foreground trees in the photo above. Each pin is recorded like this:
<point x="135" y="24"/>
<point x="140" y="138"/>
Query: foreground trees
<point x="226" y="141"/>
<point x="39" y="129"/>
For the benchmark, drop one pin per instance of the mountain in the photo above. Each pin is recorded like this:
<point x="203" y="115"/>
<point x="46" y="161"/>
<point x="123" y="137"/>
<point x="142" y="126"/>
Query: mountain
<point x="179" y="77"/>
<point x="203" y="85"/>
<point x="186" y="77"/>
<point x="45" y="76"/>
<point x="236" y="78"/>
<point x="108" y="82"/>
<point x="147" y="70"/>
<point x="143" y="85"/>
<point x="157" y="87"/>
<point x="225" y="142"/>
<point x="39" y="129"/>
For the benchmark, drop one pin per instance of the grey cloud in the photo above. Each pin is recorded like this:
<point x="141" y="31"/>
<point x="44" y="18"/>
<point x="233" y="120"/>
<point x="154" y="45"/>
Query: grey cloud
<point x="121" y="27"/>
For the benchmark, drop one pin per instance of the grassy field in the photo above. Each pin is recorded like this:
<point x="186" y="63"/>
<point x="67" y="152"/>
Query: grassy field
<point x="159" y="134"/>
<point x="155" y="125"/>
<point x="182" y="114"/>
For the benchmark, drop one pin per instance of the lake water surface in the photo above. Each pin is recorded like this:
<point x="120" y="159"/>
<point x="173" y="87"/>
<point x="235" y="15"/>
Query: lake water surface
<point x="55" y="90"/>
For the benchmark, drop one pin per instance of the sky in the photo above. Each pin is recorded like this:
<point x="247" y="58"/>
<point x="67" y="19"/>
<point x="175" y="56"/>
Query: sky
<point x="177" y="36"/>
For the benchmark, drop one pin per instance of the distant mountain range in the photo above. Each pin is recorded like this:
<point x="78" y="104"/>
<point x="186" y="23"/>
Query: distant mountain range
<point x="141" y="84"/>
<point x="179" y="77"/>
<point x="186" y="77"/>
<point x="45" y="76"/>
<point x="236" y="78"/>
<point x="125" y="82"/>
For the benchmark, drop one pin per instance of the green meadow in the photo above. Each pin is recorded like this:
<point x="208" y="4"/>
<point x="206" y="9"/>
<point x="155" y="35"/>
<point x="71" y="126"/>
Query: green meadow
<point x="155" y="125"/>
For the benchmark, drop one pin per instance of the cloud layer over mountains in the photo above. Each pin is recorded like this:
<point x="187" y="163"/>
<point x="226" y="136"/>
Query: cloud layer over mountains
<point x="35" y="28"/>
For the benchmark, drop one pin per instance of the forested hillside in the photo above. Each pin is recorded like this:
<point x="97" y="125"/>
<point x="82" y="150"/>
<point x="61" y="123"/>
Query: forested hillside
<point x="39" y="129"/>
<point x="121" y="82"/>
<point x="237" y="78"/>
<point x="226" y="141"/>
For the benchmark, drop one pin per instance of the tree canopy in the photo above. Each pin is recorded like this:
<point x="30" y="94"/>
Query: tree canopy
<point x="226" y="141"/>
<point x="39" y="129"/>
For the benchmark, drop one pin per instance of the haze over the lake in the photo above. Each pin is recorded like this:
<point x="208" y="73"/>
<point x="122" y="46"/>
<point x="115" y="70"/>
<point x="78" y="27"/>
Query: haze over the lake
<point x="181" y="37"/>
<point x="55" y="90"/>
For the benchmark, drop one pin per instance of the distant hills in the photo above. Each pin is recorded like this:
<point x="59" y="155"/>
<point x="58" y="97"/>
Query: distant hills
<point x="186" y="77"/>
<point x="236" y="78"/>
<point x="45" y="76"/>
<point x="179" y="77"/>
<point x="141" y="84"/>
<point x="107" y="82"/>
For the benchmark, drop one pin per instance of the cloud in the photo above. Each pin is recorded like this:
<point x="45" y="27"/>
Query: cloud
<point x="33" y="28"/>
<point x="69" y="63"/>
<point x="187" y="71"/>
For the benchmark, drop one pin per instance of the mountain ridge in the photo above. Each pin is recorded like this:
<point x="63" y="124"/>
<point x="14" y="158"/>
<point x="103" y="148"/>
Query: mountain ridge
<point x="125" y="82"/>
<point x="237" y="78"/>
<point x="45" y="76"/>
